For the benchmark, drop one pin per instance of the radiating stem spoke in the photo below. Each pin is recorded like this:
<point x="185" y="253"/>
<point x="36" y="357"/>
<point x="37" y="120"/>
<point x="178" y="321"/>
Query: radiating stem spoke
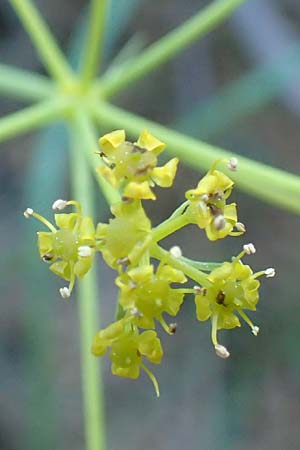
<point x="94" y="44"/>
<point x="89" y="317"/>
<point x="43" y="40"/>
<point x="167" y="47"/>
<point x="32" y="117"/>
<point x="25" y="85"/>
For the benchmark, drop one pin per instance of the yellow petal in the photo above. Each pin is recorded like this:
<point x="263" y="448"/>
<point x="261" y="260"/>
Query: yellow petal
<point x="164" y="176"/>
<point x="139" y="191"/>
<point x="151" y="143"/>
<point x="66" y="221"/>
<point x="203" y="310"/>
<point x="108" y="174"/>
<point x="109" y="142"/>
<point x="86" y="231"/>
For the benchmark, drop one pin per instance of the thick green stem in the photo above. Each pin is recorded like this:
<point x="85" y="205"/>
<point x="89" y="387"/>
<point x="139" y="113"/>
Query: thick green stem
<point x="167" y="47"/>
<point x="265" y="182"/>
<point x="88" y="313"/>
<point x="94" y="44"/>
<point x="43" y="40"/>
<point x="32" y="117"/>
<point x="88" y="138"/>
<point x="195" y="274"/>
<point x="25" y="85"/>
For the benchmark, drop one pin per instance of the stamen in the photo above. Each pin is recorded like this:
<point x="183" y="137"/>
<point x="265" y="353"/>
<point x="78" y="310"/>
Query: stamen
<point x="165" y="326"/>
<point x="214" y="327"/>
<point x="232" y="164"/>
<point x="249" y="249"/>
<point x="152" y="378"/>
<point x="135" y="312"/>
<point x="84" y="251"/>
<point x="176" y="252"/>
<point x="65" y="292"/>
<point x="28" y="213"/>
<point x="254" y="328"/>
<point x="270" y="272"/>
<point x="222" y="351"/>
<point x="240" y="227"/>
<point x="59" y="204"/>
<point x="199" y="290"/>
<point x="173" y="328"/>
<point x="219" y="222"/>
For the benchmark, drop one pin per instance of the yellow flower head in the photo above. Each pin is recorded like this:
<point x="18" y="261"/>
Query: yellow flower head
<point x="70" y="247"/>
<point x="208" y="208"/>
<point x="132" y="166"/>
<point x="149" y="294"/>
<point x="233" y="288"/>
<point x="128" y="348"/>
<point x="120" y="240"/>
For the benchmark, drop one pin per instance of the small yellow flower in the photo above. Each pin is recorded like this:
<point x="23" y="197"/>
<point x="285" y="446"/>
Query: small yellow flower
<point x="208" y="208"/>
<point x="150" y="294"/>
<point x="132" y="166"/>
<point x="119" y="240"/>
<point x="234" y="288"/>
<point x="70" y="247"/>
<point x="128" y="348"/>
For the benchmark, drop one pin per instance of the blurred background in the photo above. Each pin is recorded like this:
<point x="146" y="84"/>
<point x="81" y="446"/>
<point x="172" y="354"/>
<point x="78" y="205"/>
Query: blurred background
<point x="237" y="88"/>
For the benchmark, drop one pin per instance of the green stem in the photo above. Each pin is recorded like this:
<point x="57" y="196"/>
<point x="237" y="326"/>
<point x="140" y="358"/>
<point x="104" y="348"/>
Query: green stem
<point x="265" y="182"/>
<point x="167" y="47"/>
<point x="168" y="227"/>
<point x="32" y="117"/>
<point x="43" y="40"/>
<point x="195" y="274"/>
<point x="88" y="314"/>
<point x="94" y="44"/>
<point x="24" y="84"/>
<point x="88" y="138"/>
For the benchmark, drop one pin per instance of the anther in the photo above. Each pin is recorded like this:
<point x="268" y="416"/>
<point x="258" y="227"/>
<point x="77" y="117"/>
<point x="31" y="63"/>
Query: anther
<point x="219" y="222"/>
<point x="240" y="227"/>
<point x="270" y="272"/>
<point x="173" y="327"/>
<point x="222" y="351"/>
<point x="84" y="251"/>
<point x="249" y="249"/>
<point x="47" y="257"/>
<point x="199" y="290"/>
<point x="255" y="330"/>
<point x="59" y="204"/>
<point x="232" y="164"/>
<point x="135" y="312"/>
<point x="28" y="213"/>
<point x="65" y="292"/>
<point x="204" y="198"/>
<point x="176" y="252"/>
<point x="123" y="261"/>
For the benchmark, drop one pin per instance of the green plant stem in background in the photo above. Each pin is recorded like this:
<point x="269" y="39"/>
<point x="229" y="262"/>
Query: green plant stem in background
<point x="43" y="40"/>
<point x="88" y="312"/>
<point x="88" y="139"/>
<point x="167" y="47"/>
<point x="94" y="45"/>
<point x="33" y="117"/>
<point x="265" y="182"/>
<point x="25" y="85"/>
<point x="195" y="274"/>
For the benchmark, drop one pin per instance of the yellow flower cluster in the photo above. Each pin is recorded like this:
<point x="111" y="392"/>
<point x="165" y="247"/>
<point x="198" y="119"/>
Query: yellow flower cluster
<point x="128" y="243"/>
